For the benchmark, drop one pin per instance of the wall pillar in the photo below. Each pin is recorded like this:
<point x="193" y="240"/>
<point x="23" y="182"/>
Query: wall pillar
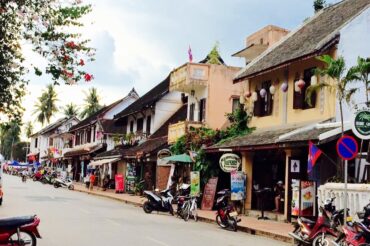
<point x="247" y="168"/>
<point x="288" y="154"/>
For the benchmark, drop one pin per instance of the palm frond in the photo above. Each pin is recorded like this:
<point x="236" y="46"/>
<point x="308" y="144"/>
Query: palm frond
<point x="349" y="93"/>
<point x="315" y="88"/>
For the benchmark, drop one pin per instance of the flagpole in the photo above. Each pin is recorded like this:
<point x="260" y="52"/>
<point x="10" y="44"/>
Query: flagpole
<point x="331" y="160"/>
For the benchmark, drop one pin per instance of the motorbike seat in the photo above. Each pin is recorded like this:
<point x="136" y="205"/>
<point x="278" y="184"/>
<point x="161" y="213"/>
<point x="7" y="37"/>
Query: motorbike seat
<point x="15" y="222"/>
<point x="308" y="221"/>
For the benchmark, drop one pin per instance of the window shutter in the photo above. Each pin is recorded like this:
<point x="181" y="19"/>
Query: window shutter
<point x="257" y="110"/>
<point x="298" y="100"/>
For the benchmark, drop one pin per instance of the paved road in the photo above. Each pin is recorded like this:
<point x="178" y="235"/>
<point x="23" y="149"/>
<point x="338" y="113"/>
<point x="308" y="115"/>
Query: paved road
<point x="73" y="218"/>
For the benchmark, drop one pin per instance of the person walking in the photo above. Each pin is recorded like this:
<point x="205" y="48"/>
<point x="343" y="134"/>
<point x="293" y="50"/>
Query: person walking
<point x="92" y="181"/>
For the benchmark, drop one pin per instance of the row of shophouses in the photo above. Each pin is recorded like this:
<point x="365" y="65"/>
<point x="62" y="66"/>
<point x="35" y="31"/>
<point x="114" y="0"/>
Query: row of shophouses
<point x="129" y="136"/>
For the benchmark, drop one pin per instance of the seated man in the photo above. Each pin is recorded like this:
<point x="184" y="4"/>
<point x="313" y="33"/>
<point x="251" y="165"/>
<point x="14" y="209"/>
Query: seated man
<point x="279" y="194"/>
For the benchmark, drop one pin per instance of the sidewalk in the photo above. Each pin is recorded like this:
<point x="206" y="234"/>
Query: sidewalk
<point x="272" y="229"/>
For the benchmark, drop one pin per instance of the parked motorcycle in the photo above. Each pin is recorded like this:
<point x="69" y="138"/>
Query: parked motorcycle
<point x="37" y="176"/>
<point x="19" y="231"/>
<point x="324" y="230"/>
<point x="66" y="183"/>
<point x="184" y="192"/>
<point x="48" y="178"/>
<point x="226" y="215"/>
<point x="161" y="202"/>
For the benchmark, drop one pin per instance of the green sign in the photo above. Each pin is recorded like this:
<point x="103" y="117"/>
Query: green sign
<point x="361" y="124"/>
<point x="194" y="183"/>
<point x="230" y="162"/>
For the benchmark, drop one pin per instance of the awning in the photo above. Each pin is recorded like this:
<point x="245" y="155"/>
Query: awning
<point x="179" y="158"/>
<point x="103" y="161"/>
<point x="83" y="150"/>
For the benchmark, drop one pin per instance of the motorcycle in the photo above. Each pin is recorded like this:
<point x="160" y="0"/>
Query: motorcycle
<point x="226" y="215"/>
<point x="161" y="202"/>
<point x="324" y="230"/>
<point x="184" y="192"/>
<point x="48" y="178"/>
<point x="67" y="183"/>
<point x="19" y="231"/>
<point x="37" y="177"/>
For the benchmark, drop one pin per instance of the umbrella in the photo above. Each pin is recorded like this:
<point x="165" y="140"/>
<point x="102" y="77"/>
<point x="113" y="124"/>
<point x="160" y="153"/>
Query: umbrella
<point x="179" y="158"/>
<point x="15" y="163"/>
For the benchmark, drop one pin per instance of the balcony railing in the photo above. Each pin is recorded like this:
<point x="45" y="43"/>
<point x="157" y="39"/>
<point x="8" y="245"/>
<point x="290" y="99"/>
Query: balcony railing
<point x="179" y="129"/>
<point x="189" y="77"/>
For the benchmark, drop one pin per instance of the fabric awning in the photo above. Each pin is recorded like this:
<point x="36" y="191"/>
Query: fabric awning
<point x="103" y="161"/>
<point x="179" y="158"/>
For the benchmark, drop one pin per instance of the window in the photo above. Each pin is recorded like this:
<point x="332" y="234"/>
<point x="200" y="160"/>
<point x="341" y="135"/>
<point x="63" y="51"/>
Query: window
<point x="299" y="98"/>
<point x="131" y="126"/>
<point x="236" y="104"/>
<point x="263" y="106"/>
<point x="94" y="133"/>
<point x="140" y="125"/>
<point x="89" y="135"/>
<point x="36" y="142"/>
<point x="191" y="112"/>
<point x="77" y="136"/>
<point x="261" y="41"/>
<point x="202" y="109"/>
<point x="51" y="141"/>
<point x="148" y="123"/>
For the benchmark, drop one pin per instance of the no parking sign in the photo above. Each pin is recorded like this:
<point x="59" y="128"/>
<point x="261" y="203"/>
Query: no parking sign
<point x="347" y="147"/>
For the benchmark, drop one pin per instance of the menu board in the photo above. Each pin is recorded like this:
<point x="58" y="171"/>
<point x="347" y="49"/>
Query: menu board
<point x="308" y="196"/>
<point x="237" y="185"/>
<point x="130" y="178"/>
<point x="209" y="194"/>
<point x="195" y="183"/>
<point x="295" y="197"/>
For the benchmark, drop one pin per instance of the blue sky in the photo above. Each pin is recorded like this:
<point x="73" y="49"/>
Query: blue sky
<point x="139" y="42"/>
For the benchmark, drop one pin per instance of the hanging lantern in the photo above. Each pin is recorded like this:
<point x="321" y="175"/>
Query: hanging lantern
<point x="314" y="80"/>
<point x="248" y="94"/>
<point x="301" y="84"/>
<point x="296" y="87"/>
<point x="263" y="92"/>
<point x="272" y="89"/>
<point x="254" y="96"/>
<point x="284" y="87"/>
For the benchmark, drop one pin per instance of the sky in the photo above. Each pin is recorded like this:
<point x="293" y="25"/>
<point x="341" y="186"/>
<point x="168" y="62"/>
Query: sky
<point x="139" y="42"/>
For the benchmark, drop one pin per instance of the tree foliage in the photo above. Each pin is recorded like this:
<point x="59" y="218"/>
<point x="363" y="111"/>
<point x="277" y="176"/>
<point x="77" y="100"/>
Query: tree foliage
<point x="20" y="151"/>
<point x="318" y="5"/>
<point x="361" y="73"/>
<point x="46" y="105"/>
<point x="28" y="129"/>
<point x="92" y="103"/>
<point x="70" y="110"/>
<point x="47" y="25"/>
<point x="9" y="135"/>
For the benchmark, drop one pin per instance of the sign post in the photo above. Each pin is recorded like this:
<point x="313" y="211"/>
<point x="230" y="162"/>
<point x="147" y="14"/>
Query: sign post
<point x="347" y="149"/>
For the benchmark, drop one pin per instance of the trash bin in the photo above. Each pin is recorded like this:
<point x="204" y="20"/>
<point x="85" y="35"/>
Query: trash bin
<point x="119" y="183"/>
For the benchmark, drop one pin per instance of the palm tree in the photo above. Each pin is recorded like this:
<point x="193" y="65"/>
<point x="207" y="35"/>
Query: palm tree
<point x="46" y="105"/>
<point x="362" y="70"/>
<point x="92" y="103"/>
<point x="335" y="69"/>
<point x="28" y="131"/>
<point x="70" y="110"/>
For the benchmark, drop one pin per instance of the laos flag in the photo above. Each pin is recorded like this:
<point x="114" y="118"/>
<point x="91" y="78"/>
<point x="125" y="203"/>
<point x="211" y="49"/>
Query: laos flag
<point x="313" y="154"/>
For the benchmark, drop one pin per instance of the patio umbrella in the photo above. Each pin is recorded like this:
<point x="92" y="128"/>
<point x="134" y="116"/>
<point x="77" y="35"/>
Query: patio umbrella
<point x="178" y="158"/>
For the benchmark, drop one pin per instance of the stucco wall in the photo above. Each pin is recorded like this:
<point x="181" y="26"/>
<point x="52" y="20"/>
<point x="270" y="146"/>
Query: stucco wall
<point x="118" y="108"/>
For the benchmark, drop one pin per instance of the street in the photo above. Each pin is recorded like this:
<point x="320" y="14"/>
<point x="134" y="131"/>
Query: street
<point x="74" y="218"/>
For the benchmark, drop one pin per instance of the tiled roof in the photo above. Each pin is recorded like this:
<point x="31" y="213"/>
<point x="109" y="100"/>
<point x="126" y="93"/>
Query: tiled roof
<point x="311" y="38"/>
<point x="91" y="119"/>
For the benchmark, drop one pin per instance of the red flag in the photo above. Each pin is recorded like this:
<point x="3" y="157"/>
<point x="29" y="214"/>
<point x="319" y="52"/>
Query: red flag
<point x="190" y="54"/>
<point x="313" y="154"/>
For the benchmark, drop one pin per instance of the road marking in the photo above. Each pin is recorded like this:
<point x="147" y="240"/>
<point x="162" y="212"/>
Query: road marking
<point x="157" y="241"/>
<point x="113" y="222"/>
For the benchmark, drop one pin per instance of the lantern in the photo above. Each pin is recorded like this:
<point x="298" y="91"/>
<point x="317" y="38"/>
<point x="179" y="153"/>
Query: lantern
<point x="272" y="89"/>
<point x="254" y="96"/>
<point x="314" y="80"/>
<point x="284" y="87"/>
<point x="263" y="92"/>
<point x="301" y="84"/>
<point x="248" y="94"/>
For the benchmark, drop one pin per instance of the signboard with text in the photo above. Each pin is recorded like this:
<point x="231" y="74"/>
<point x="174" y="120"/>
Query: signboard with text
<point x="209" y="194"/>
<point x="237" y="186"/>
<point x="194" y="183"/>
<point x="230" y="162"/>
<point x="361" y="124"/>
<point x="308" y="197"/>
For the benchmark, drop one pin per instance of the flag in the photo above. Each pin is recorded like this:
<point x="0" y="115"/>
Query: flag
<point x="190" y="54"/>
<point x="313" y="154"/>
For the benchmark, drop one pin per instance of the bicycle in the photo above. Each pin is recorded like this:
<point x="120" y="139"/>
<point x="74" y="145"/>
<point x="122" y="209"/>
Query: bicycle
<point x="190" y="208"/>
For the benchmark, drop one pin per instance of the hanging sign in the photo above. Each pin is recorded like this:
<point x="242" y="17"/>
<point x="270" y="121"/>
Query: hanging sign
<point x="361" y="124"/>
<point x="194" y="183"/>
<point x="308" y="197"/>
<point x="230" y="162"/>
<point x="295" y="166"/>
<point x="209" y="194"/>
<point x="237" y="186"/>
<point x="347" y="148"/>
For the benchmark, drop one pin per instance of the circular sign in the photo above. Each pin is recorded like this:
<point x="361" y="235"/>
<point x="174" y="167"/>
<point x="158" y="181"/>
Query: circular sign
<point x="230" y="162"/>
<point x="347" y="148"/>
<point x="361" y="124"/>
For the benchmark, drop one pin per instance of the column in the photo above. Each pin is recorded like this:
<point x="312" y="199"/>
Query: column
<point x="288" y="154"/>
<point x="247" y="168"/>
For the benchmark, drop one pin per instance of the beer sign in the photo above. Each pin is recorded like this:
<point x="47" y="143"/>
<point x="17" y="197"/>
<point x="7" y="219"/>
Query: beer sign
<point x="230" y="162"/>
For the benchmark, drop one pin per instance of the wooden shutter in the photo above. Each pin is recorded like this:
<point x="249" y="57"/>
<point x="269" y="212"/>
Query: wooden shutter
<point x="298" y="99"/>
<point x="258" y="110"/>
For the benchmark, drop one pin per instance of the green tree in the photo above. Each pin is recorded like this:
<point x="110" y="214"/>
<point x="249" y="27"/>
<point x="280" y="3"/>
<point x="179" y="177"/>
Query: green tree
<point x="9" y="135"/>
<point x="49" y="27"/>
<point x="28" y="129"/>
<point x="362" y="72"/>
<point x="214" y="55"/>
<point x="70" y="110"/>
<point x="46" y="105"/>
<point x="92" y="103"/>
<point x="318" y="5"/>
<point x="20" y="150"/>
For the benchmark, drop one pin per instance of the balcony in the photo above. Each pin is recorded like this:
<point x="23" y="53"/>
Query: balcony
<point x="191" y="76"/>
<point x="179" y="129"/>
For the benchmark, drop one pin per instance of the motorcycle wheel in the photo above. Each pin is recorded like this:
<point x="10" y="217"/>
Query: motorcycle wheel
<point x="326" y="240"/>
<point x="219" y="222"/>
<point x="186" y="212"/>
<point x="71" y="187"/>
<point x="44" y="181"/>
<point x="234" y="224"/>
<point x="56" y="185"/>
<point x="147" y="207"/>
<point x="34" y="179"/>
<point x="25" y="238"/>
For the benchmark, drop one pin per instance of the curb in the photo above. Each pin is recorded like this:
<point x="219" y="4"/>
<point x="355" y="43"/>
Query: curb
<point x="249" y="230"/>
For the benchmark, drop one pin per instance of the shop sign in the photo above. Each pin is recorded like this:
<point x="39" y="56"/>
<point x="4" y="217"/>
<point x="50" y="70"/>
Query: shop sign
<point x="361" y="124"/>
<point x="230" y="162"/>
<point x="237" y="185"/>
<point x="295" y="197"/>
<point x="209" y="194"/>
<point x="308" y="198"/>
<point x="163" y="153"/>
<point x="194" y="183"/>
<point x="130" y="178"/>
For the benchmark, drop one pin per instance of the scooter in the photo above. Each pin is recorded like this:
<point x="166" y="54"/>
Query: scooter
<point x="19" y="231"/>
<point x="161" y="202"/>
<point x="226" y="215"/>
<point x="184" y="192"/>
<point x="324" y="230"/>
<point x="48" y="178"/>
<point x="66" y="183"/>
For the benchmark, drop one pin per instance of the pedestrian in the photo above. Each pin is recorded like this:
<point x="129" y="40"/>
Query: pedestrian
<point x="92" y="181"/>
<point x="279" y="194"/>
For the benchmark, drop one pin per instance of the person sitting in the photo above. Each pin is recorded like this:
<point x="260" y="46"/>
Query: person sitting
<point x="106" y="182"/>
<point x="279" y="194"/>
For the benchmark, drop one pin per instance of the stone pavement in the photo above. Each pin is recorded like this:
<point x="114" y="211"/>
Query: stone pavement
<point x="272" y="229"/>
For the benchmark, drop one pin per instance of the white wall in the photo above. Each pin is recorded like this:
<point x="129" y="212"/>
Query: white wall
<point x="354" y="42"/>
<point x="199" y="94"/>
<point x="119" y="107"/>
